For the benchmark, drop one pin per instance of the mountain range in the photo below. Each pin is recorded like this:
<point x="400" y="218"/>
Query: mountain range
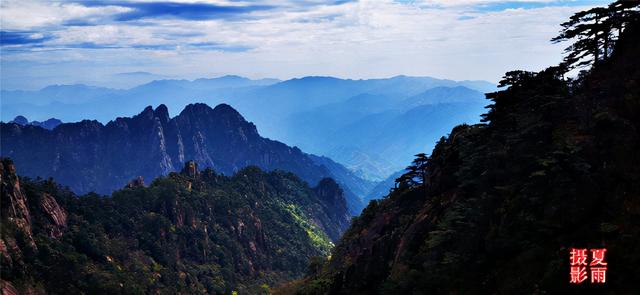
<point x="91" y="157"/>
<point x="46" y="124"/>
<point x="313" y="113"/>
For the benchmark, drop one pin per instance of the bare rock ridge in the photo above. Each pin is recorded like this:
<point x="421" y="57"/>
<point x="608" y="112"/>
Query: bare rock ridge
<point x="89" y="156"/>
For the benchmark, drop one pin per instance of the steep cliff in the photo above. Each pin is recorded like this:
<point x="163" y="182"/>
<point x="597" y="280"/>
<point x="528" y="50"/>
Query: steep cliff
<point x="88" y="156"/>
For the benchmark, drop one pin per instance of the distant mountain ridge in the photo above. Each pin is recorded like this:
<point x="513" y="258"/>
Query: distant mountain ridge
<point x="375" y="135"/>
<point x="211" y="90"/>
<point x="318" y="114"/>
<point x="47" y="124"/>
<point x="89" y="156"/>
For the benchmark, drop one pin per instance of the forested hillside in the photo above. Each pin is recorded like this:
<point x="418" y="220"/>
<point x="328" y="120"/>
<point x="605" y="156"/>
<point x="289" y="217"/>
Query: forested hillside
<point x="496" y="207"/>
<point x="193" y="232"/>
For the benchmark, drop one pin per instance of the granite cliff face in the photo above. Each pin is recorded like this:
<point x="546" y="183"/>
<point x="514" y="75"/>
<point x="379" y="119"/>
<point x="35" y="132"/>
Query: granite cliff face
<point x="20" y="215"/>
<point x="192" y="232"/>
<point x="14" y="202"/>
<point x="88" y="156"/>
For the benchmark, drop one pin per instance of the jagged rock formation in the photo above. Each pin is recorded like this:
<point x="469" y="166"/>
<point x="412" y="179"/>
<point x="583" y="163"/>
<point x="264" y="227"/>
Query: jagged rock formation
<point x="89" y="156"/>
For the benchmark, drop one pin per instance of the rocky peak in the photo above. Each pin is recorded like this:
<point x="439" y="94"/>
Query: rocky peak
<point x="224" y="108"/>
<point x="48" y="124"/>
<point x="20" y="120"/>
<point x="136" y="182"/>
<point x="190" y="169"/>
<point x="162" y="113"/>
<point x="196" y="109"/>
<point x="146" y="113"/>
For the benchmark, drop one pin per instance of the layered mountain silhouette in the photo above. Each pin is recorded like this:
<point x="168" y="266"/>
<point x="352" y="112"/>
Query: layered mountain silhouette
<point x="313" y="113"/>
<point x="47" y="124"/>
<point x="89" y="156"/>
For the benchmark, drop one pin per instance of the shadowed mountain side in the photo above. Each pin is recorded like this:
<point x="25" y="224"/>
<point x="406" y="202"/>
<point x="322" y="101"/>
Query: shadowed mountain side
<point x="89" y="156"/>
<point x="497" y="207"/>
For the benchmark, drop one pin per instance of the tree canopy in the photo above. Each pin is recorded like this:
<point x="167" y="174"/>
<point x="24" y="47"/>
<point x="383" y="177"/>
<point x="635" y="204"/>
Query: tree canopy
<point x="595" y="32"/>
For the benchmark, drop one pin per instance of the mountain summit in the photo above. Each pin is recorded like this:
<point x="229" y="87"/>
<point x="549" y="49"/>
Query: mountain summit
<point x="89" y="156"/>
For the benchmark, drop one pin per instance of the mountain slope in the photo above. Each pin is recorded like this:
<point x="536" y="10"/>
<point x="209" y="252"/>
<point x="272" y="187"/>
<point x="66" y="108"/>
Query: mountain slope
<point x="89" y="156"/>
<point x="193" y="232"/>
<point x="503" y="203"/>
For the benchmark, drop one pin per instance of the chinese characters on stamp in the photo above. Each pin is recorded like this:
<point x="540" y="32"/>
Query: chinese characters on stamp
<point x="581" y="269"/>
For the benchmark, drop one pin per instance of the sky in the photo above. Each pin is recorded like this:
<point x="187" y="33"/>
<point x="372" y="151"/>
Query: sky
<point x="122" y="43"/>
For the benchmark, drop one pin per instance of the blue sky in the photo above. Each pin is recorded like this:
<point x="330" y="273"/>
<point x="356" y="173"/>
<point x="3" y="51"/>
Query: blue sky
<point x="99" y="42"/>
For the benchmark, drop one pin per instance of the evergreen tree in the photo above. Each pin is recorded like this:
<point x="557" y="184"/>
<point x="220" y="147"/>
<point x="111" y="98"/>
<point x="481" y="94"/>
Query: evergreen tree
<point x="595" y="31"/>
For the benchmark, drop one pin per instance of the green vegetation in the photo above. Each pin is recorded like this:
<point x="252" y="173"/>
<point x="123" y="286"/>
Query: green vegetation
<point x="185" y="233"/>
<point x="496" y="206"/>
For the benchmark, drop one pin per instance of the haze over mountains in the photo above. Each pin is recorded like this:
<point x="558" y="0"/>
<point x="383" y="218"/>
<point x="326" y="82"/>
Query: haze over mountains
<point x="354" y="122"/>
<point x="89" y="156"/>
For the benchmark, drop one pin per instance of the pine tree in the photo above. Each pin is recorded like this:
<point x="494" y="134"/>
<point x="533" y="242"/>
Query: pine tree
<point x="595" y="31"/>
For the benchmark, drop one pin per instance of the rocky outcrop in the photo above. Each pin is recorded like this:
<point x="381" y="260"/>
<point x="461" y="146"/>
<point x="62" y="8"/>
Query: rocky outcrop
<point x="15" y="208"/>
<point x="190" y="169"/>
<point x="56" y="215"/>
<point x="136" y="182"/>
<point x="8" y="289"/>
<point x="89" y="156"/>
<point x="22" y="220"/>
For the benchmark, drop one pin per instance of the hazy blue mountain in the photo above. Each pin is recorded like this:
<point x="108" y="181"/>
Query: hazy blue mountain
<point x="375" y="135"/>
<point x="77" y="102"/>
<point x="89" y="156"/>
<point x="47" y="124"/>
<point x="352" y="121"/>
<point x="383" y="188"/>
<point x="396" y="137"/>
<point x="66" y="94"/>
<point x="20" y="120"/>
<point x="442" y="95"/>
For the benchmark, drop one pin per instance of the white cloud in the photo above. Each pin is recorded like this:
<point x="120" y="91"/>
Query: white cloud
<point x="356" y="40"/>
<point x="28" y="15"/>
